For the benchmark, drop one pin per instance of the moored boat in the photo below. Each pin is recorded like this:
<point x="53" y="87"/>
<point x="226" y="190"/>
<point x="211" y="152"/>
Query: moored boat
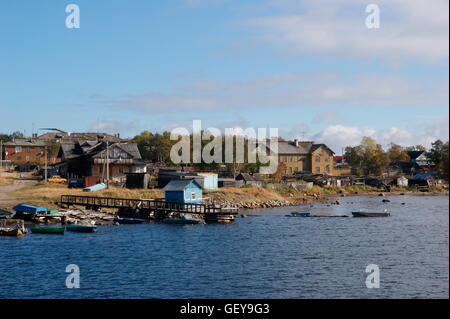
<point x="121" y="220"/>
<point x="81" y="228"/>
<point x="182" y="220"/>
<point x="384" y="213"/>
<point x="299" y="214"/>
<point x="12" y="232"/>
<point x="47" y="230"/>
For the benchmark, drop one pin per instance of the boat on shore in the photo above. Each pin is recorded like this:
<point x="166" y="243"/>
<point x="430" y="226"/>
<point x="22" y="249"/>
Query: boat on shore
<point x="182" y="220"/>
<point x="121" y="220"/>
<point x="12" y="232"/>
<point x="384" y="213"/>
<point x="81" y="228"/>
<point x="299" y="214"/>
<point x="48" y="230"/>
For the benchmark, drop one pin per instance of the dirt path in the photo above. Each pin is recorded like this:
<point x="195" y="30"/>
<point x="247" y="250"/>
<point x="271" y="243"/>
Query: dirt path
<point x="20" y="181"/>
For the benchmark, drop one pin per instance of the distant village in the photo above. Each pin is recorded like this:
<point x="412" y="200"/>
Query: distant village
<point x="86" y="159"/>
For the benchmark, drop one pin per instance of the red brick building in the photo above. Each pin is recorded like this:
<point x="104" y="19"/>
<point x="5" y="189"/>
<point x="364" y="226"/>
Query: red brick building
<point x="26" y="150"/>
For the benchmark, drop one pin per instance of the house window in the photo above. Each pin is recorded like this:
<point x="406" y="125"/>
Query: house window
<point x="37" y="149"/>
<point x="27" y="158"/>
<point x="317" y="158"/>
<point x="28" y="150"/>
<point x="192" y="196"/>
<point x="327" y="159"/>
<point x="38" y="158"/>
<point x="18" y="149"/>
<point x="318" y="170"/>
<point x="19" y="158"/>
<point x="327" y="169"/>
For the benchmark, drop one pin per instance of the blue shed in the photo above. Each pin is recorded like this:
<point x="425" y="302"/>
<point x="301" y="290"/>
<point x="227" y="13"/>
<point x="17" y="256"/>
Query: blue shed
<point x="184" y="191"/>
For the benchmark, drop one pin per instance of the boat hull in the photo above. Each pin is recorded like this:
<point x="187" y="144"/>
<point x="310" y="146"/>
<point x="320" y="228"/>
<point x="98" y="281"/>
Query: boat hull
<point x="299" y="214"/>
<point x="369" y="214"/>
<point x="180" y="221"/>
<point x="128" y="221"/>
<point x="48" y="230"/>
<point x="81" y="228"/>
<point x="12" y="232"/>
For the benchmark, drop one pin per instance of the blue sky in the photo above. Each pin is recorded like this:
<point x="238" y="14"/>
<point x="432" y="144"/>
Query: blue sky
<point x="310" y="68"/>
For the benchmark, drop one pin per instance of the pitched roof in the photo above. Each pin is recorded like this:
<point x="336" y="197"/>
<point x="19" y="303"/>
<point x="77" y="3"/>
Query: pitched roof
<point x="131" y="149"/>
<point x="91" y="148"/>
<point x="414" y="154"/>
<point x="180" y="185"/>
<point x="25" y="142"/>
<point x="288" y="148"/>
<point x="315" y="147"/>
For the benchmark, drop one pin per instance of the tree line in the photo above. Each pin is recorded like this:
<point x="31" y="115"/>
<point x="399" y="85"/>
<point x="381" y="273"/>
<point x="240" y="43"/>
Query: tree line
<point x="370" y="158"/>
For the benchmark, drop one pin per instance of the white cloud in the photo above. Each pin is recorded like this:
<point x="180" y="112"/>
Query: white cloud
<point x="115" y="126"/>
<point x="408" y="29"/>
<point x="290" y="90"/>
<point x="339" y="136"/>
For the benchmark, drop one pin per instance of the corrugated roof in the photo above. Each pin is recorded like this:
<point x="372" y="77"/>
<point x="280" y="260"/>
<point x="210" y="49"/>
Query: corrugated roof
<point x="179" y="185"/>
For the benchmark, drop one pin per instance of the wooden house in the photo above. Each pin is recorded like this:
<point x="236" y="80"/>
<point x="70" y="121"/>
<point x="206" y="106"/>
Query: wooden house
<point x="92" y="158"/>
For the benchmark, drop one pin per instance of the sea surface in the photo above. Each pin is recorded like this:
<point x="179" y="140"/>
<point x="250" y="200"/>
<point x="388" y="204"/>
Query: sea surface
<point x="266" y="255"/>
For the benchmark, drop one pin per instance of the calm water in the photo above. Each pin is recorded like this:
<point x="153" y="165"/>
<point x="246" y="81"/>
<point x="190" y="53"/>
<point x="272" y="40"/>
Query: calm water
<point x="265" y="256"/>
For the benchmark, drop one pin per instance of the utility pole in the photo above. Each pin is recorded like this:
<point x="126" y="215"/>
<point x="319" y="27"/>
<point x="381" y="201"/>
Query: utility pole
<point x="45" y="161"/>
<point x="1" y="154"/>
<point x="107" y="164"/>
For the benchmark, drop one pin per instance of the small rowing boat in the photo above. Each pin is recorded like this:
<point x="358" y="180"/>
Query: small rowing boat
<point x="48" y="230"/>
<point x="299" y="214"/>
<point x="81" y="228"/>
<point x="128" y="220"/>
<point x="12" y="232"/>
<point x="182" y="220"/>
<point x="385" y="213"/>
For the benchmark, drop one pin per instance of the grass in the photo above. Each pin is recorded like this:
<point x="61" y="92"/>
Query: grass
<point x="4" y="181"/>
<point x="43" y="194"/>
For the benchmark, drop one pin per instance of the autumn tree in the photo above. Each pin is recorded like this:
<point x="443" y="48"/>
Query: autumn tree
<point x="397" y="153"/>
<point x="155" y="147"/>
<point x="438" y="154"/>
<point x="368" y="157"/>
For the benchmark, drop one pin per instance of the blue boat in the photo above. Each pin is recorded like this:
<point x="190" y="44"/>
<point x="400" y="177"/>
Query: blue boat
<point x="81" y="228"/>
<point x="94" y="188"/>
<point x="299" y="214"/>
<point x="27" y="212"/>
<point x="29" y="209"/>
<point x="128" y="220"/>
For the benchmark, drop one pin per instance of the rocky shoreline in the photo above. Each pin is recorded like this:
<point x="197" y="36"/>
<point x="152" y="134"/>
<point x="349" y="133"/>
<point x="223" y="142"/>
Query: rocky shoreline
<point x="305" y="199"/>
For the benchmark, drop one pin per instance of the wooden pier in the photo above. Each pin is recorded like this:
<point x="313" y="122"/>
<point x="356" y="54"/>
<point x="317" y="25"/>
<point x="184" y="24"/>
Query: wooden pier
<point x="149" y="208"/>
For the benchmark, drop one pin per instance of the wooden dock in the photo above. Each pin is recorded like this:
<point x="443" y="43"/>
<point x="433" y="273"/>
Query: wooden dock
<point x="148" y="208"/>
